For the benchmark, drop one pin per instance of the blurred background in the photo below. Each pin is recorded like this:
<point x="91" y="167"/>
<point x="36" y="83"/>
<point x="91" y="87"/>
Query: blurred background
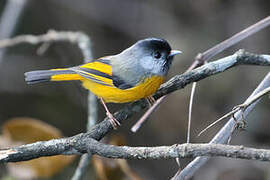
<point x="190" y="26"/>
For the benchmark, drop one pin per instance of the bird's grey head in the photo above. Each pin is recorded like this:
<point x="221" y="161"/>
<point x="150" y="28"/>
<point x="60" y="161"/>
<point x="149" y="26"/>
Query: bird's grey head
<point x="154" y="56"/>
<point x="147" y="57"/>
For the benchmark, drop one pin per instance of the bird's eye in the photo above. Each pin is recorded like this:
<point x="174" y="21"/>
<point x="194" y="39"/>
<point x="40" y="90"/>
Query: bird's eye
<point x="157" y="55"/>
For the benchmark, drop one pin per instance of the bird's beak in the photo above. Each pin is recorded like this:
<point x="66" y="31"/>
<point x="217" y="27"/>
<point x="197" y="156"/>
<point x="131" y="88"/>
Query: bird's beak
<point x="174" y="52"/>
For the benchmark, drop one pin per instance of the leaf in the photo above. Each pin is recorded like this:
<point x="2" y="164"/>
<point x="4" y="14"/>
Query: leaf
<point x="29" y="130"/>
<point x="25" y="130"/>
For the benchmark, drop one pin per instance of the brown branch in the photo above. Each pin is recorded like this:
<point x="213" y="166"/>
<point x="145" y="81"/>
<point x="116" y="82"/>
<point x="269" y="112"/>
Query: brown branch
<point x="51" y="36"/>
<point x="180" y="81"/>
<point x="92" y="105"/>
<point x="77" y="145"/>
<point x="224" y="135"/>
<point x="86" y="144"/>
<point x="83" y="42"/>
<point x="177" y="151"/>
<point x="202" y="58"/>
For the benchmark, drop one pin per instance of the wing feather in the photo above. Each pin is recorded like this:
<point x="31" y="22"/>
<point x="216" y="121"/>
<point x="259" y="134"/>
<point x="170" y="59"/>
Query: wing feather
<point x="99" y="71"/>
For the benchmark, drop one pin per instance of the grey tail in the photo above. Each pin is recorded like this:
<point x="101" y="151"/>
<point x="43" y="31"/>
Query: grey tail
<point x="39" y="76"/>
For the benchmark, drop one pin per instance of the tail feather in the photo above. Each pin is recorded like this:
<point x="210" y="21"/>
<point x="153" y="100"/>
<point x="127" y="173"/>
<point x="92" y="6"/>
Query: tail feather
<point x="39" y="76"/>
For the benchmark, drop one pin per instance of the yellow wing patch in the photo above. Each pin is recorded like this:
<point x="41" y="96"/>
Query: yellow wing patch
<point x="99" y="71"/>
<point x="99" y="66"/>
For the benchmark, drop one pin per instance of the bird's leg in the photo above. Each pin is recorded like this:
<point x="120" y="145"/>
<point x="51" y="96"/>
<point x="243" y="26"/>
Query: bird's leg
<point x="112" y="119"/>
<point x="151" y="100"/>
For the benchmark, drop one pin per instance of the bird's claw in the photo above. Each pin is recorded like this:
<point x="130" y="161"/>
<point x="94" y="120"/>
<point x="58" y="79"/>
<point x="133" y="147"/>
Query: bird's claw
<point x="150" y="100"/>
<point x="113" y="120"/>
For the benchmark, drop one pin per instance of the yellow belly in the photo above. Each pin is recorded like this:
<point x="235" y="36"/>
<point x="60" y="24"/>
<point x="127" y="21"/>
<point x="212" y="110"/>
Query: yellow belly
<point x="115" y="95"/>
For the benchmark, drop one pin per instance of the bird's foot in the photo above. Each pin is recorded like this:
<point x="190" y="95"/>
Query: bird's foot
<point x="114" y="122"/>
<point x="151" y="100"/>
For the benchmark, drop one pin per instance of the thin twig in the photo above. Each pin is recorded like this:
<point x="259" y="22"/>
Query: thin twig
<point x="79" y="38"/>
<point x="9" y="19"/>
<point x="71" y="145"/>
<point x="207" y="55"/>
<point x="202" y="58"/>
<point x="190" y="110"/>
<point x="217" y="121"/>
<point x="238" y="107"/>
<point x="189" y="117"/>
<point x="177" y="82"/>
<point x="83" y="42"/>
<point x="50" y="36"/>
<point x="224" y="134"/>
<point x="85" y="46"/>
<point x="139" y="123"/>
<point x="236" y="38"/>
<point x="82" y="166"/>
<point x="253" y="98"/>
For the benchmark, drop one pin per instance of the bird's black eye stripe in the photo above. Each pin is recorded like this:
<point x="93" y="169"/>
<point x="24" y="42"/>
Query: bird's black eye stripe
<point x="157" y="54"/>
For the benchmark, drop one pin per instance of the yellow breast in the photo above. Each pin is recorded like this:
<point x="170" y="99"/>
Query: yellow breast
<point x="112" y="94"/>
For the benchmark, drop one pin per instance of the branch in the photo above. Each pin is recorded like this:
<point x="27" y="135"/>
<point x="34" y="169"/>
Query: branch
<point x="201" y="58"/>
<point x="242" y="107"/>
<point x="9" y="19"/>
<point x="180" y="81"/>
<point x="84" y="43"/>
<point x="92" y="146"/>
<point x="224" y="134"/>
<point x="177" y="151"/>
<point x="51" y="36"/>
<point x="85" y="46"/>
<point x="77" y="145"/>
<point x="239" y="58"/>
<point x="177" y="82"/>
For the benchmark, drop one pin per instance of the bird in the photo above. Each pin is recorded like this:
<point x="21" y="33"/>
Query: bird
<point x="135" y="73"/>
